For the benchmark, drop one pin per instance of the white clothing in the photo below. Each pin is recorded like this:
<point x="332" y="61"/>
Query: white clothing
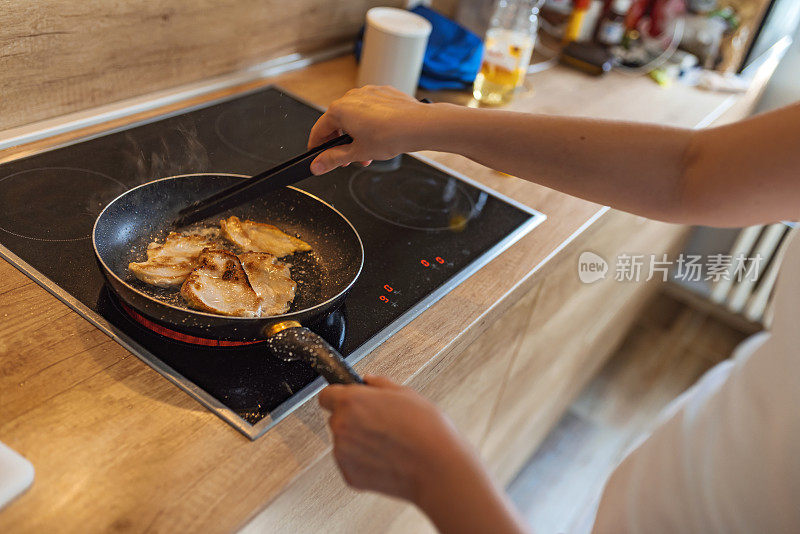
<point x="726" y="456"/>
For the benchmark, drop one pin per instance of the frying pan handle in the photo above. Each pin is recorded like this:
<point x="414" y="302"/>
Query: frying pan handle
<point x="300" y="343"/>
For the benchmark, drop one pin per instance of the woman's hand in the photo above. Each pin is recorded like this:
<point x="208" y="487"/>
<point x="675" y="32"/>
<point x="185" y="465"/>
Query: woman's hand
<point x="382" y="121"/>
<point x="388" y="438"/>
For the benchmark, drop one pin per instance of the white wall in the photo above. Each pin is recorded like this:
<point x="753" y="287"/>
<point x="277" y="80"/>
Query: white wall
<point x="784" y="87"/>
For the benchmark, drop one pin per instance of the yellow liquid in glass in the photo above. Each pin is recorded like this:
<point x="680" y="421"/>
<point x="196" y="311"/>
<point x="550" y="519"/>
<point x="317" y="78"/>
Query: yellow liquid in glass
<point x="495" y="85"/>
<point x="505" y="63"/>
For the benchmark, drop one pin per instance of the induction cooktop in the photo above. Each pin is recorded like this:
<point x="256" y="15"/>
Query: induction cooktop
<point x="425" y="229"/>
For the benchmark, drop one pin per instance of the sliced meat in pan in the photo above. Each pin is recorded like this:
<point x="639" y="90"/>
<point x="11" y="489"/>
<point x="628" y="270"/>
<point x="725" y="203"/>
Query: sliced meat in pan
<point x="169" y="263"/>
<point x="271" y="281"/>
<point x="219" y="285"/>
<point x="252" y="236"/>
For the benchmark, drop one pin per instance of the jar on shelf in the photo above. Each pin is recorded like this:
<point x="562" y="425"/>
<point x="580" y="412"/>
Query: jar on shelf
<point x="611" y="29"/>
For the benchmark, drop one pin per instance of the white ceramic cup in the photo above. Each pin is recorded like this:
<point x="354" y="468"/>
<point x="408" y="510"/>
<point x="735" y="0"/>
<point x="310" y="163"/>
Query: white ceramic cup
<point x="394" y="46"/>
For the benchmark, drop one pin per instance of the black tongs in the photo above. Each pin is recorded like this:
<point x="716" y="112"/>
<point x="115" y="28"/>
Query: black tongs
<point x="287" y="173"/>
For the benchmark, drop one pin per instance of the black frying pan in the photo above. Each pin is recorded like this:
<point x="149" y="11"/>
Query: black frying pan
<point x="139" y="216"/>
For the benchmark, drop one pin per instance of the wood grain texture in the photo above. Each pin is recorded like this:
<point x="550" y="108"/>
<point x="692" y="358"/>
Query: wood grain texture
<point x="571" y="329"/>
<point x="446" y="7"/>
<point x="59" y="56"/>
<point x="117" y="447"/>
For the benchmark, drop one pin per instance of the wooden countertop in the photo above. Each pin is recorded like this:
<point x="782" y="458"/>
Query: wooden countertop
<point x="118" y="447"/>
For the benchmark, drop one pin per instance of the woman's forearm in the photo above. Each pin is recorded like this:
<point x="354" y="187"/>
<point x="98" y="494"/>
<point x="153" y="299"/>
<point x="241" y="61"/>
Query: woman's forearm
<point x="631" y="166"/>
<point x="460" y="498"/>
<point x="671" y="174"/>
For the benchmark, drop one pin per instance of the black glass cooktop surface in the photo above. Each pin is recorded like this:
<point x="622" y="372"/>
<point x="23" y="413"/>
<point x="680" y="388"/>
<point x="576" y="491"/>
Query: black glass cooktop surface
<point x="424" y="230"/>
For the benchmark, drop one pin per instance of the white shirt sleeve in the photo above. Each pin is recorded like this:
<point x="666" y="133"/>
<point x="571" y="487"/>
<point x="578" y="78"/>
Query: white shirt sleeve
<point x="726" y="456"/>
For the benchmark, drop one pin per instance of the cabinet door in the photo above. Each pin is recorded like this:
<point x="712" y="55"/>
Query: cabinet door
<point x="570" y="330"/>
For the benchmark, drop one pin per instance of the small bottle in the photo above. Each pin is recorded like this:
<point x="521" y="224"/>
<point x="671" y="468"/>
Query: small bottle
<point x="507" y="50"/>
<point x="575" y="21"/>
<point x="611" y="30"/>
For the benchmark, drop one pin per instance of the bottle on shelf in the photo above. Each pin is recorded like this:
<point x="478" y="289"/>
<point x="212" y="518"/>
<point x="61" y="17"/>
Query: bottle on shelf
<point x="611" y="29"/>
<point x="507" y="50"/>
<point x="575" y="22"/>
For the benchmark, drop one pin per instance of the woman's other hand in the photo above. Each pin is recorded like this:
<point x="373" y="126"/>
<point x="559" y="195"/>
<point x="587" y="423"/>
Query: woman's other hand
<point x="382" y="121"/>
<point x="388" y="438"/>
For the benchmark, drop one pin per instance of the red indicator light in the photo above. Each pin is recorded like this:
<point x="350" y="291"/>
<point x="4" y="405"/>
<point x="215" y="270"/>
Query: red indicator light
<point x="425" y="263"/>
<point x="388" y="288"/>
<point x="439" y="260"/>
<point x="383" y="298"/>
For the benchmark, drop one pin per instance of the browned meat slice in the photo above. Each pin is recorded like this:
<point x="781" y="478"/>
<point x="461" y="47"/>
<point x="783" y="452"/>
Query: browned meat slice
<point x="219" y="285"/>
<point x="259" y="237"/>
<point x="169" y="263"/>
<point x="271" y="281"/>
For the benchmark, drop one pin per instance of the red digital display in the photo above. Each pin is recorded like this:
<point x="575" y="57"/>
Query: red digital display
<point x="384" y="298"/>
<point x="426" y="263"/>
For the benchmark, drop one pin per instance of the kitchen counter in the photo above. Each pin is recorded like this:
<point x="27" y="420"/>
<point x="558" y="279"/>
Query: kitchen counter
<point x="117" y="447"/>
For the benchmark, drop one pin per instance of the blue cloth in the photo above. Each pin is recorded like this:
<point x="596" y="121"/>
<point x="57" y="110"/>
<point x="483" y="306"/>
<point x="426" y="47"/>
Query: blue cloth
<point x="453" y="55"/>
